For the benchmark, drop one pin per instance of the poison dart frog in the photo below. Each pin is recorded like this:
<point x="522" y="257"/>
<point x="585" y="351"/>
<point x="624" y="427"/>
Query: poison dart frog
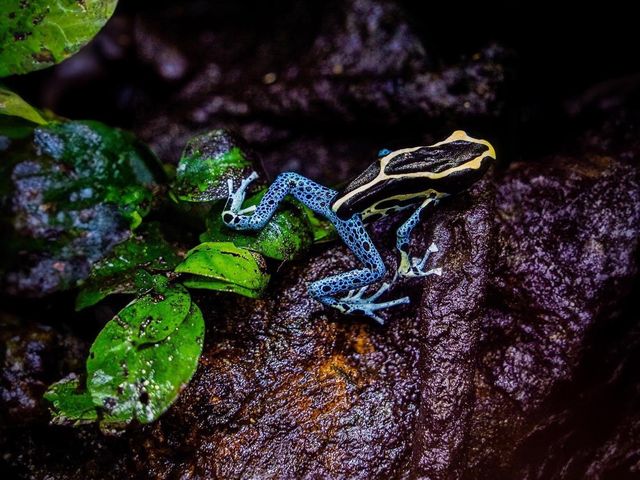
<point x="417" y="177"/>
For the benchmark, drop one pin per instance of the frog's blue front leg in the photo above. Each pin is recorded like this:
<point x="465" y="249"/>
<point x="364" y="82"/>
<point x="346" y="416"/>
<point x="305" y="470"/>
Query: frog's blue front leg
<point x="414" y="267"/>
<point x="318" y="198"/>
<point x="311" y="194"/>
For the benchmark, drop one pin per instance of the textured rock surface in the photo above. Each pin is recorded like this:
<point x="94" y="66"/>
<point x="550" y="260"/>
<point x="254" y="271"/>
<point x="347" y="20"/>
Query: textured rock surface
<point x="32" y="358"/>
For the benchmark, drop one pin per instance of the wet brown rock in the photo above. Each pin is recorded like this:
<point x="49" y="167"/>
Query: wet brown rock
<point x="450" y="314"/>
<point x="32" y="357"/>
<point x="455" y="389"/>
<point x="568" y="244"/>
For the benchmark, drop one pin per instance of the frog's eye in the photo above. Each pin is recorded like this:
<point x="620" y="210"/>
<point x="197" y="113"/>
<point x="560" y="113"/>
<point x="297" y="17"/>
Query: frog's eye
<point x="384" y="152"/>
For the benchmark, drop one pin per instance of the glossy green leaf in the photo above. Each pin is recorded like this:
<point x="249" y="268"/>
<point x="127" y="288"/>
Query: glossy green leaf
<point x="144" y="356"/>
<point x="17" y="117"/>
<point x="129" y="266"/>
<point x="223" y="266"/>
<point x="13" y="105"/>
<point x="35" y="34"/>
<point x="70" y="405"/>
<point x="285" y="236"/>
<point x="207" y="162"/>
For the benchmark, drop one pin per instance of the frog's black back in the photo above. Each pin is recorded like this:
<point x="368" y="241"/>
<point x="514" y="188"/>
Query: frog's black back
<point x="446" y="167"/>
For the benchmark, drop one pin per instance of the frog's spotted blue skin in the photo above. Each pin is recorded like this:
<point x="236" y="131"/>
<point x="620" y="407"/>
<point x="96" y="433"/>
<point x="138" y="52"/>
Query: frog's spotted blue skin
<point x="398" y="180"/>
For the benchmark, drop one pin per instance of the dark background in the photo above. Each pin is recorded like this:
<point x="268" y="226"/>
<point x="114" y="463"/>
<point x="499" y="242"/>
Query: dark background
<point x="566" y="61"/>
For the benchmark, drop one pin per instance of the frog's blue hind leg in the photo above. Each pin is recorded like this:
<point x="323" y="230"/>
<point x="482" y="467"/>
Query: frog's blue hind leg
<point x="356" y="281"/>
<point x="414" y="266"/>
<point x="318" y="199"/>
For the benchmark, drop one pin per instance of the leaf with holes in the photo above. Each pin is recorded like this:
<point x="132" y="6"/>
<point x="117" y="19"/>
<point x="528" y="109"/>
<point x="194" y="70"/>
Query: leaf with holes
<point x="144" y="356"/>
<point x="128" y="268"/>
<point x="70" y="405"/>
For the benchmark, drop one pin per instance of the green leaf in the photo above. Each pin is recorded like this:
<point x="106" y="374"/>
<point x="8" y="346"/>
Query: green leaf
<point x="77" y="190"/>
<point x="144" y="356"/>
<point x="71" y="406"/>
<point x="207" y="162"/>
<point x="13" y="105"/>
<point x="35" y="34"/>
<point x="129" y="266"/>
<point x="17" y="117"/>
<point x="285" y="236"/>
<point x="224" y="267"/>
<point x="321" y="229"/>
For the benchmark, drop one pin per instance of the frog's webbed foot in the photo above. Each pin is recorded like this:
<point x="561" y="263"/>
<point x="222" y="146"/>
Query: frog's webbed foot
<point x="233" y="208"/>
<point x="355" y="303"/>
<point x="415" y="266"/>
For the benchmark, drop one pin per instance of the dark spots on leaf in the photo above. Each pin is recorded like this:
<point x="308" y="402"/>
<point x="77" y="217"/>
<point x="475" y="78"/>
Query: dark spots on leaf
<point x="120" y="322"/>
<point x="233" y="254"/>
<point x="144" y="398"/>
<point x="158" y="297"/>
<point x="12" y="15"/>
<point x="38" y="19"/>
<point x="20" y="36"/>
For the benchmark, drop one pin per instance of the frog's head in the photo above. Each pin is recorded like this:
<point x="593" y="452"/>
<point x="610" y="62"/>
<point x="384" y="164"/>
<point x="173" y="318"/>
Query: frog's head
<point x="446" y="167"/>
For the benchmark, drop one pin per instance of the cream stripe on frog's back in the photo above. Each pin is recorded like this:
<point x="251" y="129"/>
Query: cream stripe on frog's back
<point x="382" y="175"/>
<point x="415" y="198"/>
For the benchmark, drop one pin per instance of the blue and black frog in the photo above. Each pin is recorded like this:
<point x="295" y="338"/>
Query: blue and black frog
<point x="417" y="177"/>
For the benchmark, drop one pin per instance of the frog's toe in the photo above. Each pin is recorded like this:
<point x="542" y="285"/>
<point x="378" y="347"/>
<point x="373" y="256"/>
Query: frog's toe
<point x="230" y="218"/>
<point x="355" y="304"/>
<point x="236" y="197"/>
<point x="415" y="266"/>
